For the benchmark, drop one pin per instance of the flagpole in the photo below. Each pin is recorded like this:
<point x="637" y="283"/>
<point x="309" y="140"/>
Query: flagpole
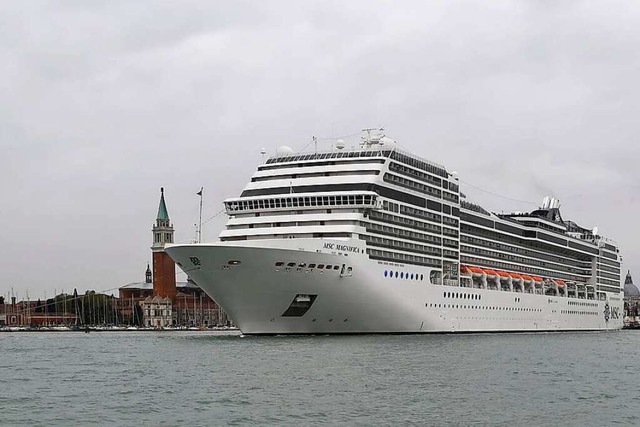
<point x="200" y="220"/>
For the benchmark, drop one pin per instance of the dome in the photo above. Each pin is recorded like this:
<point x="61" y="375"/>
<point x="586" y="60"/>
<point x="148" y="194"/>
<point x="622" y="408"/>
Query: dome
<point x="630" y="290"/>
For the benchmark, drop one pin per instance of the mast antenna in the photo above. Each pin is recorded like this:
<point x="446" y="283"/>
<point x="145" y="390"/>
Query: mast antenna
<point x="199" y="193"/>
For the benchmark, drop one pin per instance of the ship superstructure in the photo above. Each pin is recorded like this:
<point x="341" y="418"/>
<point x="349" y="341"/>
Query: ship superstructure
<point x="375" y="239"/>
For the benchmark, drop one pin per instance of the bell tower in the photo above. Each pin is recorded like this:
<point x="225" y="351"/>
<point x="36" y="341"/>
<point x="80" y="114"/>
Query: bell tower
<point x="164" y="269"/>
<point x="147" y="275"/>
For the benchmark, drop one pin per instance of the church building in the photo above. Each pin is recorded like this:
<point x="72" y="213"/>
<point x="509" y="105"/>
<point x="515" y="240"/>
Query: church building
<point x="162" y="301"/>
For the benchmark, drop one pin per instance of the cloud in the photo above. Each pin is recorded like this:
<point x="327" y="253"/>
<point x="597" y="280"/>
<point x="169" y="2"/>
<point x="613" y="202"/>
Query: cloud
<point x="101" y="103"/>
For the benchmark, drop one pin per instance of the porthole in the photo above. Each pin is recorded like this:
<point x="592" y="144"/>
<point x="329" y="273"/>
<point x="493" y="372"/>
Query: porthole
<point x="279" y="264"/>
<point x="320" y="265"/>
<point x="291" y="264"/>
<point x="421" y="277"/>
<point x="386" y="273"/>
<point x="444" y="294"/>
<point x="396" y="274"/>
<point x="312" y="266"/>
<point x="336" y="267"/>
<point x="329" y="267"/>
<point x="302" y="264"/>
<point x="411" y="276"/>
<point x="401" y="275"/>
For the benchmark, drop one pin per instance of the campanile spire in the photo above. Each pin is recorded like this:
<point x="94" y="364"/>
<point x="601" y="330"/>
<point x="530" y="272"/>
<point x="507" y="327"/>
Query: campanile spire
<point x="164" y="269"/>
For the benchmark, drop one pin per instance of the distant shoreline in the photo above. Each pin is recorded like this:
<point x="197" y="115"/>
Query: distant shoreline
<point x="88" y="330"/>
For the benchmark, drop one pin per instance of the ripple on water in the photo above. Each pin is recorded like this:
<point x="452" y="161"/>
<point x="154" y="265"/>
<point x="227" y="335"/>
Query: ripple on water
<point x="175" y="378"/>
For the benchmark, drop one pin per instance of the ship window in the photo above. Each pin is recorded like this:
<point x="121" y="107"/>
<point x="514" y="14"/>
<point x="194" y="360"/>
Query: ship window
<point x="401" y="275"/>
<point x="386" y="273"/>
<point x="336" y="267"/>
<point x="312" y="266"/>
<point x="328" y="267"/>
<point x="320" y="265"/>
<point x="396" y="274"/>
<point x="291" y="264"/>
<point x="279" y="264"/>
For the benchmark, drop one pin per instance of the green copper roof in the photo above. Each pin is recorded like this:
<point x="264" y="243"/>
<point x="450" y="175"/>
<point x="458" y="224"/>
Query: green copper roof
<point x="162" y="209"/>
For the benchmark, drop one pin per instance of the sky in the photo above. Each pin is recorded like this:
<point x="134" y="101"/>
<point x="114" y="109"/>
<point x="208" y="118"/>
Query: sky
<point x="104" y="102"/>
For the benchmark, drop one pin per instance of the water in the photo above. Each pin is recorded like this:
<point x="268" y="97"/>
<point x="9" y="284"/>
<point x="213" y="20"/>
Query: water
<point x="201" y="378"/>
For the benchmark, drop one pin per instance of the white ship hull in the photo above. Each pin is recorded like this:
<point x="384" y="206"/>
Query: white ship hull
<point x="243" y="277"/>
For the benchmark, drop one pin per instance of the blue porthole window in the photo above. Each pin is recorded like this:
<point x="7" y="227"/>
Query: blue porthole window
<point x="402" y="275"/>
<point x="396" y="274"/>
<point x="411" y="276"/>
<point x="386" y="273"/>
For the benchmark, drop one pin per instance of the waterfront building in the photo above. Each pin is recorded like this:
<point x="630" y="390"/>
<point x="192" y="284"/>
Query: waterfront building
<point x="157" y="312"/>
<point x="54" y="311"/>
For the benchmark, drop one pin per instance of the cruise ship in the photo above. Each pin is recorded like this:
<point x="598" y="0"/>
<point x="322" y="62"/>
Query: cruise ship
<point x="374" y="239"/>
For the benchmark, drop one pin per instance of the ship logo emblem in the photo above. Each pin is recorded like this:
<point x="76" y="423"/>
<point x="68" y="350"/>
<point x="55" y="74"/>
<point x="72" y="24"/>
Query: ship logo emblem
<point x="607" y="312"/>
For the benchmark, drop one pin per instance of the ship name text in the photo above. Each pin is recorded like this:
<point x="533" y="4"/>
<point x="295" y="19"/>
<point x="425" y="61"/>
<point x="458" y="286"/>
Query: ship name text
<point x="342" y="248"/>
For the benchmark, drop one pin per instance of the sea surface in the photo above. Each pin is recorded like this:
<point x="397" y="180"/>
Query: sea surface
<point x="213" y="378"/>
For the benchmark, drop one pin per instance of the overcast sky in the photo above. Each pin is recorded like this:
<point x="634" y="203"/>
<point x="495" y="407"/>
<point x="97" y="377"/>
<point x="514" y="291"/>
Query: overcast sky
<point x="102" y="103"/>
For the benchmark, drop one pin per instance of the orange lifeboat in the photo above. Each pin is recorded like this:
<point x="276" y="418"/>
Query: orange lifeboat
<point x="476" y="270"/>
